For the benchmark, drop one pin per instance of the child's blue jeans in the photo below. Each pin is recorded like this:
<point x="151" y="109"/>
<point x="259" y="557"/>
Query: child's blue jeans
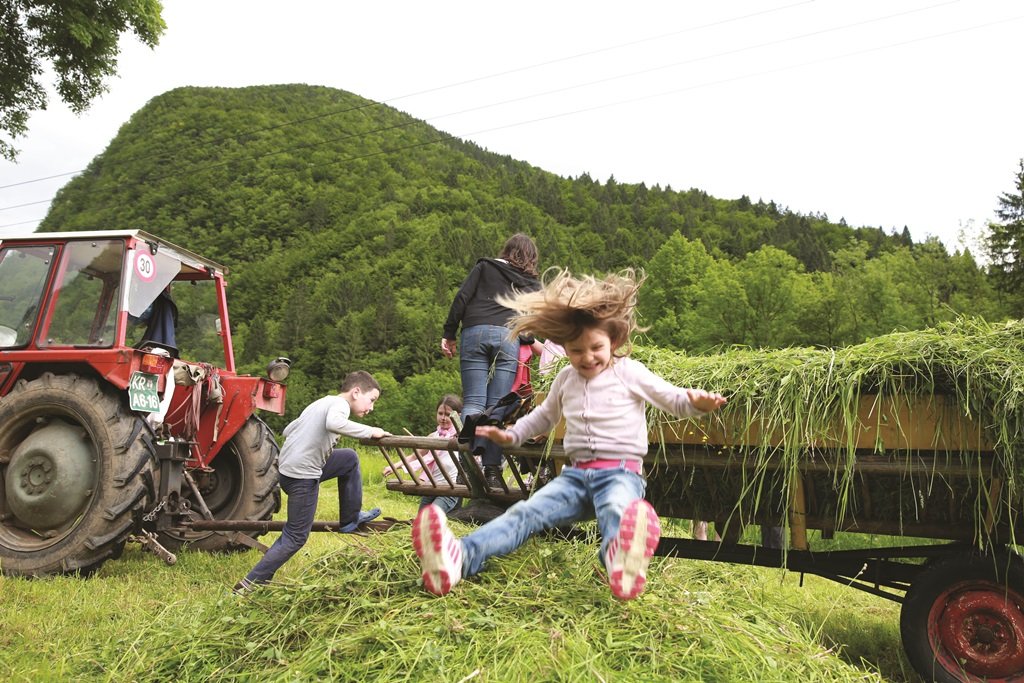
<point x="446" y="503"/>
<point x="573" y="495"/>
<point x="303" y="494"/>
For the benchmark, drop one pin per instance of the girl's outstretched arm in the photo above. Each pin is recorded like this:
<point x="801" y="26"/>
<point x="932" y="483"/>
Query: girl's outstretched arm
<point x="495" y="434"/>
<point x="705" y="401"/>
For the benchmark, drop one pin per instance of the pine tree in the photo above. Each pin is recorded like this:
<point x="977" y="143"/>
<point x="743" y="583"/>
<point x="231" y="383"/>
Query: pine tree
<point x="1005" y="241"/>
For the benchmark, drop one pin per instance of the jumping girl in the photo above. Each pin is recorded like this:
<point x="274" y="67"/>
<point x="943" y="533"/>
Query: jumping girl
<point x="602" y="394"/>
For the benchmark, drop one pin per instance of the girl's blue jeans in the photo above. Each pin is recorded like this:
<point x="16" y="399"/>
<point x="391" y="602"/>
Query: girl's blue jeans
<point x="488" y="361"/>
<point x="573" y="495"/>
<point x="446" y="503"/>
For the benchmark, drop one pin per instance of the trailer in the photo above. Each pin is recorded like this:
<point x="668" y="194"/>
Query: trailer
<point x="909" y="467"/>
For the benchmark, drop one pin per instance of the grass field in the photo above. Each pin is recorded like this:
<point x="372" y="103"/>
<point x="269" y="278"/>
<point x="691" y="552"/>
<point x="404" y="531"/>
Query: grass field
<point x="349" y="608"/>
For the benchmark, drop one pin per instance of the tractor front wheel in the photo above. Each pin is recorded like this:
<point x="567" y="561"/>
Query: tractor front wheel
<point x="963" y="620"/>
<point x="76" y="471"/>
<point x="242" y="485"/>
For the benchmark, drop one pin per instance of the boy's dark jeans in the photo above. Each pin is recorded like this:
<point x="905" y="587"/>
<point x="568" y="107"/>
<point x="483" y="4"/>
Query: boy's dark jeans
<point x="303" y="495"/>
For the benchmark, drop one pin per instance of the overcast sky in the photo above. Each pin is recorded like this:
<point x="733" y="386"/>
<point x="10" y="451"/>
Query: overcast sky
<point x="886" y="113"/>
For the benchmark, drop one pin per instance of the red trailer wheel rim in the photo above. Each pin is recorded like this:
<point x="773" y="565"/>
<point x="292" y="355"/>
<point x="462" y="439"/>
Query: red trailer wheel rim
<point x="979" y="627"/>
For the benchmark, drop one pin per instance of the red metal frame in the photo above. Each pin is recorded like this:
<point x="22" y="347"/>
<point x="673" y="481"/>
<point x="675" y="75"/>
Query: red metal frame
<point x="225" y="323"/>
<point x="218" y="423"/>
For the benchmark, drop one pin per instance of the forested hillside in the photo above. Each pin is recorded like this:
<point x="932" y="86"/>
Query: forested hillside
<point x="349" y="225"/>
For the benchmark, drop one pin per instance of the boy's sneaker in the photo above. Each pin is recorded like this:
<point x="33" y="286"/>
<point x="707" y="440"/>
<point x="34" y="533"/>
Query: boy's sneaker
<point x="244" y="586"/>
<point x="439" y="551"/>
<point x="362" y="518"/>
<point x="630" y="551"/>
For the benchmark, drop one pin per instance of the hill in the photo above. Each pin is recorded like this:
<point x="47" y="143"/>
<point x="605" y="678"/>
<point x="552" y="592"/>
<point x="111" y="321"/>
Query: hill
<point x="348" y="225"/>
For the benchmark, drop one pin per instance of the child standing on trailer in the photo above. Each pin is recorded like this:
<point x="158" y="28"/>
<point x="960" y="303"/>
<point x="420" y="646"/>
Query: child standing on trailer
<point x="602" y="394"/>
<point x="308" y="457"/>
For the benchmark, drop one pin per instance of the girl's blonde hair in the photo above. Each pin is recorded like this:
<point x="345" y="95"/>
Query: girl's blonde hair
<point x="567" y="305"/>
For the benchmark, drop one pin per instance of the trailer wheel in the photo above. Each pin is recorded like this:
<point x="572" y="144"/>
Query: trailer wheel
<point x="963" y="620"/>
<point x="76" y="472"/>
<point x="242" y="485"/>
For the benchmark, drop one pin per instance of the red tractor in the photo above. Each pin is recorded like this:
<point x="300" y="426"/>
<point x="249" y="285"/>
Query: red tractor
<point x="121" y="414"/>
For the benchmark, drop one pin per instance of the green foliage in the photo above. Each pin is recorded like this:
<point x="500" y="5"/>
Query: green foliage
<point x="1005" y="241"/>
<point x="412" y="404"/>
<point x="77" y="40"/>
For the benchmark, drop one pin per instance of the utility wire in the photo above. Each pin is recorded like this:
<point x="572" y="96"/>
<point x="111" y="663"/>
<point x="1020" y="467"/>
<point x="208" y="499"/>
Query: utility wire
<point x="446" y="137"/>
<point x="201" y="169"/>
<point x="558" y="60"/>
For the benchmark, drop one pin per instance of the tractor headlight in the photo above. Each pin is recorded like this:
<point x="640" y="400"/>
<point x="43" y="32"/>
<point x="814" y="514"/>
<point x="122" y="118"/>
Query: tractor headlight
<point x="278" y="369"/>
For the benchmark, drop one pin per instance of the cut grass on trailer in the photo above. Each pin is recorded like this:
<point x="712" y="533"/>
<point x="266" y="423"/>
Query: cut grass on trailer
<point x="796" y="399"/>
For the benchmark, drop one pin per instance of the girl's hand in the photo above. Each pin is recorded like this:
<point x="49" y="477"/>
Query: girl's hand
<point x="499" y="436"/>
<point x="705" y="401"/>
<point x="448" y="347"/>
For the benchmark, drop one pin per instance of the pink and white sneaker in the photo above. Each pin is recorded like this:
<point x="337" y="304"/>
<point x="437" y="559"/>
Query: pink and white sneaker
<point x="630" y="551"/>
<point x="439" y="551"/>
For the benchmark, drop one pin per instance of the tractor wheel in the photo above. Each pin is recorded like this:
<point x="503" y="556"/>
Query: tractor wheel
<point x="243" y="485"/>
<point x="76" y="472"/>
<point x="963" y="620"/>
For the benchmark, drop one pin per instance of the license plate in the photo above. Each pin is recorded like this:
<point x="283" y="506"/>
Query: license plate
<point x="142" y="394"/>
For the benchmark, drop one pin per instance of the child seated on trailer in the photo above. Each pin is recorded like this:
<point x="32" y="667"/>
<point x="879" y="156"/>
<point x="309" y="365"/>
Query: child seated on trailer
<point x="602" y="395"/>
<point x="437" y="460"/>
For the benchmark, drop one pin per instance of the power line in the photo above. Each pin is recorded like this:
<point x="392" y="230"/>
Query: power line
<point x="200" y="169"/>
<point x="11" y="225"/>
<point x="446" y="137"/>
<point x="558" y="60"/>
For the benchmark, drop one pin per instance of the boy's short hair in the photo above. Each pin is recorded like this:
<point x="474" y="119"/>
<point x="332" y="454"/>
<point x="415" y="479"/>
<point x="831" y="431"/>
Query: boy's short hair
<point x="360" y="379"/>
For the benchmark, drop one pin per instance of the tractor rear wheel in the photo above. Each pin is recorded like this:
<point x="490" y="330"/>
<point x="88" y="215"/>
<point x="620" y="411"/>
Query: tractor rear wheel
<point x="76" y="472"/>
<point x="242" y="486"/>
<point x="963" y="620"/>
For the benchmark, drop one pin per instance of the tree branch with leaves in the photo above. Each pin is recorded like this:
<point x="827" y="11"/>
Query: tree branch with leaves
<point x="78" y="39"/>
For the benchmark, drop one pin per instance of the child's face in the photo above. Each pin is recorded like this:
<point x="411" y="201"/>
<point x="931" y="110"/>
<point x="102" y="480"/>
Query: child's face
<point x="590" y="353"/>
<point x="362" y="402"/>
<point x="444" y="416"/>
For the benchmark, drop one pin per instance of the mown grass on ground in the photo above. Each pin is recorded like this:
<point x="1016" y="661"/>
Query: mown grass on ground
<point x="351" y="608"/>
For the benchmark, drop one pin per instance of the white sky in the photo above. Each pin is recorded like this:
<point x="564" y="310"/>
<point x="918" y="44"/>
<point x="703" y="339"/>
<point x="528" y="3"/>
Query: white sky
<point x="883" y="112"/>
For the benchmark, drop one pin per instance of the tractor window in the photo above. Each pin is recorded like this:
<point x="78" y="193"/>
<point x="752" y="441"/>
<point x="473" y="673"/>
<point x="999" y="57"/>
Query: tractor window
<point x="85" y="310"/>
<point x="197" y="323"/>
<point x="23" y="273"/>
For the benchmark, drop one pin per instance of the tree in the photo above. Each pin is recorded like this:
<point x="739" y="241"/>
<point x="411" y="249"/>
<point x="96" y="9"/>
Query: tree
<point x="79" y="40"/>
<point x="668" y="299"/>
<point x="769" y="276"/>
<point x="1005" y="241"/>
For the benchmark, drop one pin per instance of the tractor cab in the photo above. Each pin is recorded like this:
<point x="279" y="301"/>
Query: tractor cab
<point x="106" y="290"/>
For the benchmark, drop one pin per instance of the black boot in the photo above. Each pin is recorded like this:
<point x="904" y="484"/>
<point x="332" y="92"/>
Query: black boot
<point x="545" y="474"/>
<point x="492" y="477"/>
